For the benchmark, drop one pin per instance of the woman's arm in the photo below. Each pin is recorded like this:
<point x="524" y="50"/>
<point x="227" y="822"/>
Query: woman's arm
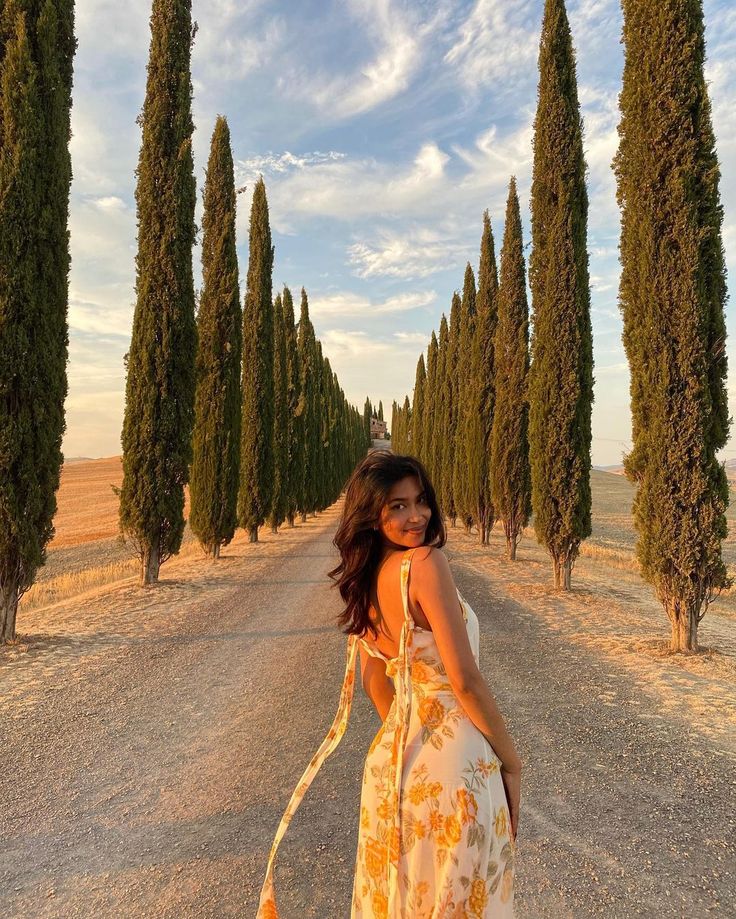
<point x="434" y="589"/>
<point x="378" y="687"/>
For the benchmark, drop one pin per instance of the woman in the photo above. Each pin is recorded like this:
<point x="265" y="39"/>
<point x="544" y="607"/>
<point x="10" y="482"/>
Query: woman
<point x="441" y="785"/>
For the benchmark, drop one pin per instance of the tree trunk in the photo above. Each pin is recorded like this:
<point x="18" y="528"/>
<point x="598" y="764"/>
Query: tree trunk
<point x="562" y="571"/>
<point x="8" y="611"/>
<point x="252" y="534"/>
<point x="290" y="518"/>
<point x="150" y="565"/>
<point x="684" y="624"/>
<point x="566" y="573"/>
<point x="304" y="516"/>
<point x="216" y="551"/>
<point x="274" y="528"/>
<point x="511" y="546"/>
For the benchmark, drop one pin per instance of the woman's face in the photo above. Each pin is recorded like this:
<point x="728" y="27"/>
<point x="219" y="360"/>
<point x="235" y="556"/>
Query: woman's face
<point x="405" y="515"/>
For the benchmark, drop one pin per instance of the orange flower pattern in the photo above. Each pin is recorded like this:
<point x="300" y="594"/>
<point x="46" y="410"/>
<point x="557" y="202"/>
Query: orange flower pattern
<point x="434" y="831"/>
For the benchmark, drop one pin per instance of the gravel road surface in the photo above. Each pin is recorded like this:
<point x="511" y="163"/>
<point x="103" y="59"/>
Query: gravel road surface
<point x="146" y="755"/>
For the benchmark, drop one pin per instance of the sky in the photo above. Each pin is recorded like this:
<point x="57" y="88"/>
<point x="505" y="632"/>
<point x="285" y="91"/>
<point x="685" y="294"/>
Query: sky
<point x="383" y="129"/>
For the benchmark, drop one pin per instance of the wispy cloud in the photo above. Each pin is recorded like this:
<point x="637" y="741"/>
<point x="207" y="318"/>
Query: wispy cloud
<point x="417" y="253"/>
<point x="396" y="36"/>
<point x="496" y="45"/>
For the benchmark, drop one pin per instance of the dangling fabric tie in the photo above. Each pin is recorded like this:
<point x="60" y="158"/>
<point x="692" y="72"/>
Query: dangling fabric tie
<point x="267" y="903"/>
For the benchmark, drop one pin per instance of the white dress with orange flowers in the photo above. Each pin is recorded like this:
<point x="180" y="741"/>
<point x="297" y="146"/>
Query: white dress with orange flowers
<point x="434" y="838"/>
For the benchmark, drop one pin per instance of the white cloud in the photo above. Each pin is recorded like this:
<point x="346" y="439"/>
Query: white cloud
<point x="110" y="203"/>
<point x="282" y="163"/>
<point x="344" y="188"/>
<point x="416" y="253"/>
<point x="348" y="303"/>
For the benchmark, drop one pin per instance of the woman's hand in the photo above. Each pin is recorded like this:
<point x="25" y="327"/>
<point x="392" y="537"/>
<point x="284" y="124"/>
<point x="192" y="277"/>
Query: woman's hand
<point x="512" y="783"/>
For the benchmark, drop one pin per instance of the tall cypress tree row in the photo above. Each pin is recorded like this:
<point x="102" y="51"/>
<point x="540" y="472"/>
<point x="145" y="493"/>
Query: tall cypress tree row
<point x="417" y="411"/>
<point x="380" y="410"/>
<point x="213" y="489"/>
<point x="159" y="394"/>
<point x="322" y="417"/>
<point x="256" y="445"/>
<point x="307" y="347"/>
<point x="37" y="48"/>
<point x="510" y="473"/>
<point x="561" y="375"/>
<point x="295" y="406"/>
<point x="672" y="297"/>
<point x="461" y="477"/>
<point x="439" y="428"/>
<point x="481" y="397"/>
<point x="430" y="406"/>
<point x="449" y="410"/>
<point x="279" y="499"/>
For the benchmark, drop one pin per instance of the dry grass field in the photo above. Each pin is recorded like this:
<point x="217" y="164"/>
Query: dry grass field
<point x="86" y="550"/>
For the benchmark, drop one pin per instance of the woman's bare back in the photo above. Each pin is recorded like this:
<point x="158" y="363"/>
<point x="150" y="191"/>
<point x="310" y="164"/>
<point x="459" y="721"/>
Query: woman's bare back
<point x="386" y="609"/>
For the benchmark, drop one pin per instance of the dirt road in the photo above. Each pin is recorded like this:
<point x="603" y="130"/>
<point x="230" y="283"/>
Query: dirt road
<point x="150" y="741"/>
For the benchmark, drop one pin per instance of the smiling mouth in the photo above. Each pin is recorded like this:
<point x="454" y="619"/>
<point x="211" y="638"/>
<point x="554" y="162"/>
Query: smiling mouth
<point x="416" y="530"/>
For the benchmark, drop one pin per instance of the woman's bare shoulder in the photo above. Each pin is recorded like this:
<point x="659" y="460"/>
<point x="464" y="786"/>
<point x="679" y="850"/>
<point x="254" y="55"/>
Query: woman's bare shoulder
<point x="430" y="563"/>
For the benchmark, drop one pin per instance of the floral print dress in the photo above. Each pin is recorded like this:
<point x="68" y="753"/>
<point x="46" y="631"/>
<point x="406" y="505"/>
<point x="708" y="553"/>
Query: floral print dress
<point x="434" y="839"/>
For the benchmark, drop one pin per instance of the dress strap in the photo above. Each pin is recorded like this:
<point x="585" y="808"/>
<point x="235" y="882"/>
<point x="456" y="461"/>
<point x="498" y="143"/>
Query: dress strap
<point x="405" y="566"/>
<point x="267" y="903"/>
<point x="403" y="716"/>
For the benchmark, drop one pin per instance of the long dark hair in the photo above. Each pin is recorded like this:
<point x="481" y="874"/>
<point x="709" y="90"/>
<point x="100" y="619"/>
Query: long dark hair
<point x="360" y="544"/>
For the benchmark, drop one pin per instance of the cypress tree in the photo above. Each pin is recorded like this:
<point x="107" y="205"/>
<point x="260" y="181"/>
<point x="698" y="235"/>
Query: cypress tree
<point x="394" y="422"/>
<point x="439" y="427"/>
<point x="561" y="374"/>
<point x="367" y="415"/>
<point x="380" y="411"/>
<point x="449" y="409"/>
<point x="461" y="475"/>
<point x="406" y="425"/>
<point x="22" y="538"/>
<point x="279" y="501"/>
<point x="295" y="409"/>
<point x="510" y="473"/>
<point x="430" y="406"/>
<point x="481" y="398"/>
<point x="331" y="433"/>
<point x="160" y="386"/>
<point x="37" y="48"/>
<point x="672" y="297"/>
<point x="25" y="526"/>
<point x="417" y="411"/>
<point x="307" y="347"/>
<point x="213" y="488"/>
<point x="256" y="446"/>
